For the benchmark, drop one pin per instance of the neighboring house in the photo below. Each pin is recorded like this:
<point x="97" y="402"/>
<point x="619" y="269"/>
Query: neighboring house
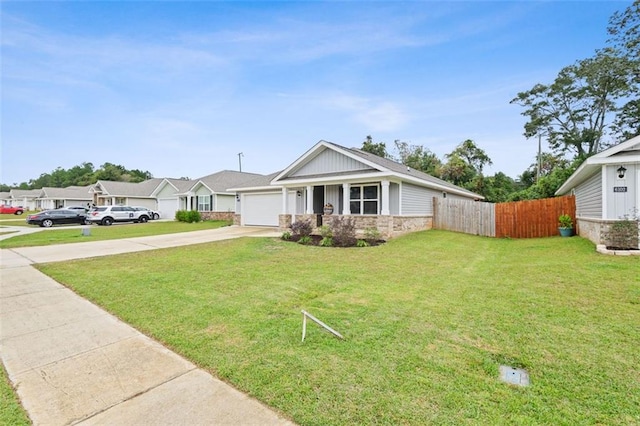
<point x="207" y="194"/>
<point x="55" y="198"/>
<point x="24" y="197"/>
<point x="375" y="191"/>
<point x="171" y="195"/>
<point x="110" y="193"/>
<point x="5" y="198"/>
<point x="607" y="188"/>
<point x="210" y="193"/>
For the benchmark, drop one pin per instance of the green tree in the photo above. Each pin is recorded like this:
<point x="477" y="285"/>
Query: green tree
<point x="624" y="29"/>
<point x="575" y="111"/>
<point x="379" y="149"/>
<point x="418" y="157"/>
<point x="498" y="188"/>
<point x="464" y="166"/>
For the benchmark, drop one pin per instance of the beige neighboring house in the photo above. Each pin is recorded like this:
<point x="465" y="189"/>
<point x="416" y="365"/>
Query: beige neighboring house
<point x="24" y="197"/>
<point x="110" y="193"/>
<point x="55" y="198"/>
<point x="376" y="192"/>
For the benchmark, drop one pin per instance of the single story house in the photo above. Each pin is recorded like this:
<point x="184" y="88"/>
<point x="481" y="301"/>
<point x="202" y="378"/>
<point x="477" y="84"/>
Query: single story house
<point x="208" y="194"/>
<point x="24" y="197"/>
<point x="607" y="188"/>
<point x="5" y="198"/>
<point x="375" y="191"/>
<point x="110" y="193"/>
<point x="171" y="196"/>
<point x="55" y="198"/>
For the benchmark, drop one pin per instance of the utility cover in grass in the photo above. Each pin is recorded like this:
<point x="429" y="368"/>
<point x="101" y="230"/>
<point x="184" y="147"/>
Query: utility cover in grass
<point x="514" y="376"/>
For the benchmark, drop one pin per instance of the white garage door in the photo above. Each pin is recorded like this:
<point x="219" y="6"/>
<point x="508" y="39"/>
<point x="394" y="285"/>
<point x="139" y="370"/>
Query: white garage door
<point x="167" y="207"/>
<point x="261" y="209"/>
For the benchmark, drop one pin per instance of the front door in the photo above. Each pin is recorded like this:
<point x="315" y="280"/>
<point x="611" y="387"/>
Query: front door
<point x="318" y="199"/>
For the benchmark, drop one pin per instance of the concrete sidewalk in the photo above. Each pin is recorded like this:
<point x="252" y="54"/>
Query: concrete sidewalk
<point x="73" y="363"/>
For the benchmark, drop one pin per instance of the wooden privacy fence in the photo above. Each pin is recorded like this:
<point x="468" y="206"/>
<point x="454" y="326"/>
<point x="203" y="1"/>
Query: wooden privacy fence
<point x="520" y="219"/>
<point x="470" y="217"/>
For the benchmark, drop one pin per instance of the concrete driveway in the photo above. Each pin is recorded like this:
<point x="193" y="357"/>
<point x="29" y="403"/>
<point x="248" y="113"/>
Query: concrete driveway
<point x="73" y="363"/>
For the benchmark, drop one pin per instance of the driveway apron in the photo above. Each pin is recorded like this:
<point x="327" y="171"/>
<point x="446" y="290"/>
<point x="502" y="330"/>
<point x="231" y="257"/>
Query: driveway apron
<point x="73" y="363"/>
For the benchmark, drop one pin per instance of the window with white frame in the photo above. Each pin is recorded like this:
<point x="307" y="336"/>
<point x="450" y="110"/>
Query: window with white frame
<point x="120" y="201"/>
<point x="364" y="199"/>
<point x="204" y="203"/>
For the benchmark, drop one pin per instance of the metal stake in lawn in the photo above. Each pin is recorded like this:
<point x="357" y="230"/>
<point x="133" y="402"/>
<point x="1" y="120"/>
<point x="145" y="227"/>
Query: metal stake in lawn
<point x="306" y="314"/>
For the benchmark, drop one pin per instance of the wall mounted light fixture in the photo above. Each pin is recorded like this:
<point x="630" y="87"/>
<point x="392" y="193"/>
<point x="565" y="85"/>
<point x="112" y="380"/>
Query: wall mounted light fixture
<point x="299" y="193"/>
<point x="621" y="171"/>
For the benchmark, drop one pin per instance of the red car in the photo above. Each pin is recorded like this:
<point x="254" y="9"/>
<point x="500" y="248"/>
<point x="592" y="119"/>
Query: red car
<point x="4" y="209"/>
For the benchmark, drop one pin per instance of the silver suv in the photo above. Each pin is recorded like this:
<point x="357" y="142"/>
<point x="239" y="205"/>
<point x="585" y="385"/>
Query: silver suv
<point x="106" y="215"/>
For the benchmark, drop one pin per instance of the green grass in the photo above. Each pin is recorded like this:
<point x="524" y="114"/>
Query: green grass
<point x="60" y="235"/>
<point x="428" y="319"/>
<point x="11" y="412"/>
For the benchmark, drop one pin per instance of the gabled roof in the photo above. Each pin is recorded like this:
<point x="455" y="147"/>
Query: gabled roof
<point x="258" y="183"/>
<point x="625" y="152"/>
<point x="378" y="166"/>
<point x="128" y="189"/>
<point x="22" y="193"/>
<point x="181" y="186"/>
<point x="69" y="193"/>
<point x="225" y="179"/>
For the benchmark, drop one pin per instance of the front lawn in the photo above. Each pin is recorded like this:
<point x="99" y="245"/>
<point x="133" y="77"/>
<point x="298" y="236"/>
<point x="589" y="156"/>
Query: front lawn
<point x="428" y="320"/>
<point x="60" y="235"/>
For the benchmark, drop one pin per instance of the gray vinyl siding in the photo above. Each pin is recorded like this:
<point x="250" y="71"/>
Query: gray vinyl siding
<point x="329" y="161"/>
<point x="417" y="200"/>
<point x="394" y="198"/>
<point x="224" y="203"/>
<point x="589" y="197"/>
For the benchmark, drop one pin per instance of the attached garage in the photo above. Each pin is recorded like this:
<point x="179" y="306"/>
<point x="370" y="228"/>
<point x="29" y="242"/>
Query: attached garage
<point x="261" y="209"/>
<point x="168" y="207"/>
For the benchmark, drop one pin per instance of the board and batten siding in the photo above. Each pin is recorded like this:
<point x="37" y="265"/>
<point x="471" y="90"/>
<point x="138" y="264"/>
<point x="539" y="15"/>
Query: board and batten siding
<point x="416" y="200"/>
<point x="330" y="161"/>
<point x="589" y="197"/>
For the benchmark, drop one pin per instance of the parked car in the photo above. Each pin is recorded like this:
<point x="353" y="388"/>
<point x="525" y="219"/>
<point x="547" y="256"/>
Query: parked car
<point x="107" y="215"/>
<point x="48" y="218"/>
<point x="153" y="214"/>
<point x="6" y="209"/>
<point x="78" y="208"/>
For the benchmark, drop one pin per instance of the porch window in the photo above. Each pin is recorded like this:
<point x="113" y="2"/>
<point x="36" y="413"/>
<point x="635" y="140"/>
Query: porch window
<point x="120" y="201"/>
<point x="204" y="203"/>
<point x="364" y="199"/>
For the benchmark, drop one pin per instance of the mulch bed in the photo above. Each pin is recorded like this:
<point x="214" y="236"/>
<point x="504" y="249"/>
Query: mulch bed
<point x="315" y="241"/>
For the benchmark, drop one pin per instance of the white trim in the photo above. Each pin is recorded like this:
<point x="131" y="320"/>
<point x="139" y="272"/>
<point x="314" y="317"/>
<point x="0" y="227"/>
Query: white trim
<point x="603" y="177"/>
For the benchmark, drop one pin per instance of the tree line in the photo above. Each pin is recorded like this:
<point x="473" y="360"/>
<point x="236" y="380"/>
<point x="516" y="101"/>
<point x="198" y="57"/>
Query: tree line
<point x="81" y="175"/>
<point x="590" y="106"/>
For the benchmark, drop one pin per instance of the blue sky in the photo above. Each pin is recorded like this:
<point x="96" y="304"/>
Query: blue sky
<point x="180" y="88"/>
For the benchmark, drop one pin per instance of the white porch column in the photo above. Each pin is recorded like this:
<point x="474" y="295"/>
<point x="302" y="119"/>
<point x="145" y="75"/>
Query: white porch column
<point x="346" y="205"/>
<point x="385" y="198"/>
<point x="285" y="200"/>
<point x="309" y="209"/>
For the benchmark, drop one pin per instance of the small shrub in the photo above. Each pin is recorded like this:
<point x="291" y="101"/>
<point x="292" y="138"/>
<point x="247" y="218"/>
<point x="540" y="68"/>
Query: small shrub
<point x="305" y="240"/>
<point x="325" y="231"/>
<point x="344" y="231"/>
<point x="302" y="228"/>
<point x="623" y="234"/>
<point x="326" y="242"/>
<point x="286" y="236"/>
<point x="188" y="216"/>
<point x="362" y="243"/>
<point x="372" y="235"/>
